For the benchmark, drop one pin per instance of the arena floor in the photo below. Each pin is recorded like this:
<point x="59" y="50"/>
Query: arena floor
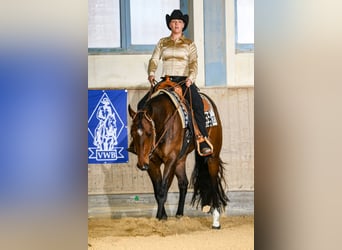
<point x="237" y="232"/>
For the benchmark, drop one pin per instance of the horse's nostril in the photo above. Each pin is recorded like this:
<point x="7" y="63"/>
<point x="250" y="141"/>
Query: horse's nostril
<point x="143" y="167"/>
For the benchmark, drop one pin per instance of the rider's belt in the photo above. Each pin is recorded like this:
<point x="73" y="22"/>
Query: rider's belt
<point x="175" y="78"/>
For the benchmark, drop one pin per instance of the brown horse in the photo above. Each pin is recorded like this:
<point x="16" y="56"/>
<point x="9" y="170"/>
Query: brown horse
<point x="159" y="138"/>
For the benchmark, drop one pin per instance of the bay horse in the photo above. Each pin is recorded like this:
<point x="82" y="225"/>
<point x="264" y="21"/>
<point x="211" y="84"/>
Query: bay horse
<point x="159" y="138"/>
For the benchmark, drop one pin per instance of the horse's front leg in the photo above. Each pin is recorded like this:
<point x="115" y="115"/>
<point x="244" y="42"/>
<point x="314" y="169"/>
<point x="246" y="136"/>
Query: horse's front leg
<point x="161" y="185"/>
<point x="163" y="188"/>
<point x="182" y="185"/>
<point x="161" y="197"/>
<point x="156" y="177"/>
<point x="161" y="213"/>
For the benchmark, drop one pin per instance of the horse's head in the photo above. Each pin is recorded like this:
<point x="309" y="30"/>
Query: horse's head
<point x="143" y="134"/>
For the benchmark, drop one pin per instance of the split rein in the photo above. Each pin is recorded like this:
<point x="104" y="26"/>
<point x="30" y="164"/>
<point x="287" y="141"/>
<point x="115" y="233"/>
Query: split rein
<point x="166" y="124"/>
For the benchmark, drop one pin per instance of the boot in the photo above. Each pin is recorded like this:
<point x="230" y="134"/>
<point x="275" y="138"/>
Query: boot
<point x="203" y="147"/>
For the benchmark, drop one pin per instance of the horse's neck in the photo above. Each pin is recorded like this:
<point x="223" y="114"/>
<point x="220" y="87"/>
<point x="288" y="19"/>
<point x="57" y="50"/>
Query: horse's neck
<point x="161" y="116"/>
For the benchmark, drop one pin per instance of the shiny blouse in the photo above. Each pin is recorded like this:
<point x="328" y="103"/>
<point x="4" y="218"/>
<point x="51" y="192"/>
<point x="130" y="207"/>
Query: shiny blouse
<point x="179" y="58"/>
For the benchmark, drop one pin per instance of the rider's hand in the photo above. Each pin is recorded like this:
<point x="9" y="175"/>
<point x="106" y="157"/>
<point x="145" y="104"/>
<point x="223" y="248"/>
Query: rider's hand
<point x="151" y="79"/>
<point x="188" y="82"/>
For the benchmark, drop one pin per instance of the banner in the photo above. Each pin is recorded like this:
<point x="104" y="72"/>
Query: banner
<point x="107" y="126"/>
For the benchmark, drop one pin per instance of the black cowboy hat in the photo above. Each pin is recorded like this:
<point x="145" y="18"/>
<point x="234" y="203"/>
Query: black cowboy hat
<point x="177" y="14"/>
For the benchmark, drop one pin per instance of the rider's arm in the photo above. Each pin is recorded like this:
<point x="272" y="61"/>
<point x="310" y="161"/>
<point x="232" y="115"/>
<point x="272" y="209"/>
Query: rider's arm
<point x="153" y="62"/>
<point x="192" y="62"/>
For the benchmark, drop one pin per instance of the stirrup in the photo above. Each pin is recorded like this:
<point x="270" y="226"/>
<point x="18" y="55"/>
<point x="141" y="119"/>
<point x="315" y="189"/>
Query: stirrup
<point x="204" y="151"/>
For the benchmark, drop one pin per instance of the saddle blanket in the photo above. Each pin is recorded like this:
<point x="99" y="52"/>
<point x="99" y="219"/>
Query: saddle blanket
<point x="210" y="118"/>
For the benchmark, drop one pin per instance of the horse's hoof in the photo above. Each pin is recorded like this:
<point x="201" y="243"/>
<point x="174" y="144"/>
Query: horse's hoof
<point x="214" y="227"/>
<point x="163" y="217"/>
<point x="178" y="216"/>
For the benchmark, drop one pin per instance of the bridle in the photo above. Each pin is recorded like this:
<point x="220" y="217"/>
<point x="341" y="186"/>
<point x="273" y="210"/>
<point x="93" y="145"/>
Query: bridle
<point x="155" y="142"/>
<point x="150" y="120"/>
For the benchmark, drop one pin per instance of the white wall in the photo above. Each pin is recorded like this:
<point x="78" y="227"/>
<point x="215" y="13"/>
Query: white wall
<point x="115" y="71"/>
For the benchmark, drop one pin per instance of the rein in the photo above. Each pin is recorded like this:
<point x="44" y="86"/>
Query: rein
<point x="166" y="124"/>
<point x="153" y="128"/>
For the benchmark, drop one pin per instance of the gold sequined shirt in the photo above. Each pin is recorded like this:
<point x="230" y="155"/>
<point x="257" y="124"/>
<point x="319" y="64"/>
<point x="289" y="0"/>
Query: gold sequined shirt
<point x="179" y="58"/>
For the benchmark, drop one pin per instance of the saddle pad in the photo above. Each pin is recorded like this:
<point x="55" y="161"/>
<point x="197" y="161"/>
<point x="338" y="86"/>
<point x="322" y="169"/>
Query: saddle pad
<point x="210" y="118"/>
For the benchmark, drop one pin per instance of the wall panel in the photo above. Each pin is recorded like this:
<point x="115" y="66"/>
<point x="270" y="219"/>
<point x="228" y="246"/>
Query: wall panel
<point x="236" y="107"/>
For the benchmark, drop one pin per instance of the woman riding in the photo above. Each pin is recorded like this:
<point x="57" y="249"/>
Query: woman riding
<point x="179" y="56"/>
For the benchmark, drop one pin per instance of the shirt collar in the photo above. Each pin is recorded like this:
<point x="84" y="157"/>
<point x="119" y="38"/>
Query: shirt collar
<point x="182" y="38"/>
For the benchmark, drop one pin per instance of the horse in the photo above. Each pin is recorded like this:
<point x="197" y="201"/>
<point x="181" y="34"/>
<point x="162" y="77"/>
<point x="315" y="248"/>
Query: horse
<point x="160" y="138"/>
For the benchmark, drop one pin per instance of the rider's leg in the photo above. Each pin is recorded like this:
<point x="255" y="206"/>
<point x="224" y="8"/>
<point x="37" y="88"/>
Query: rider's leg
<point x="143" y="100"/>
<point x="198" y="109"/>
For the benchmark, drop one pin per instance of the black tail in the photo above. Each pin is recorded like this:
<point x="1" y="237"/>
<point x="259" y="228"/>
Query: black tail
<point x="208" y="190"/>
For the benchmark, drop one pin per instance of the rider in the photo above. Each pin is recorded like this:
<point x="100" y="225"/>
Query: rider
<point x="179" y="56"/>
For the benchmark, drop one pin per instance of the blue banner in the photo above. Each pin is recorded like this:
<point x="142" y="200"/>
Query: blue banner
<point x="107" y="126"/>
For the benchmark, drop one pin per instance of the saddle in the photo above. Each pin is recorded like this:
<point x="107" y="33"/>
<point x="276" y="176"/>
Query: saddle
<point x="170" y="85"/>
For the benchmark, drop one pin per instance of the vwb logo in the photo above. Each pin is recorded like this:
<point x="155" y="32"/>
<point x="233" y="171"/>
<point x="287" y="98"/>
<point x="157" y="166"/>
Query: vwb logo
<point x="107" y="126"/>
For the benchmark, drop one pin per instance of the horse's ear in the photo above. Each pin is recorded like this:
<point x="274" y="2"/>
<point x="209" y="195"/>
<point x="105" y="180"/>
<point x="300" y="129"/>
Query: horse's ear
<point x="131" y="111"/>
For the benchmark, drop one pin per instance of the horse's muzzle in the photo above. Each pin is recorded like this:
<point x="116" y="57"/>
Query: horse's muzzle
<point x="144" y="167"/>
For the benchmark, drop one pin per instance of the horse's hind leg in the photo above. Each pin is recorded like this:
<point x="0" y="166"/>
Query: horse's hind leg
<point x="216" y="219"/>
<point x="219" y="198"/>
<point x="183" y="187"/>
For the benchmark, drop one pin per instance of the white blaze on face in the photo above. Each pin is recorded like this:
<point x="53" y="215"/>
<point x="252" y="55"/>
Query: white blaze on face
<point x="140" y="132"/>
